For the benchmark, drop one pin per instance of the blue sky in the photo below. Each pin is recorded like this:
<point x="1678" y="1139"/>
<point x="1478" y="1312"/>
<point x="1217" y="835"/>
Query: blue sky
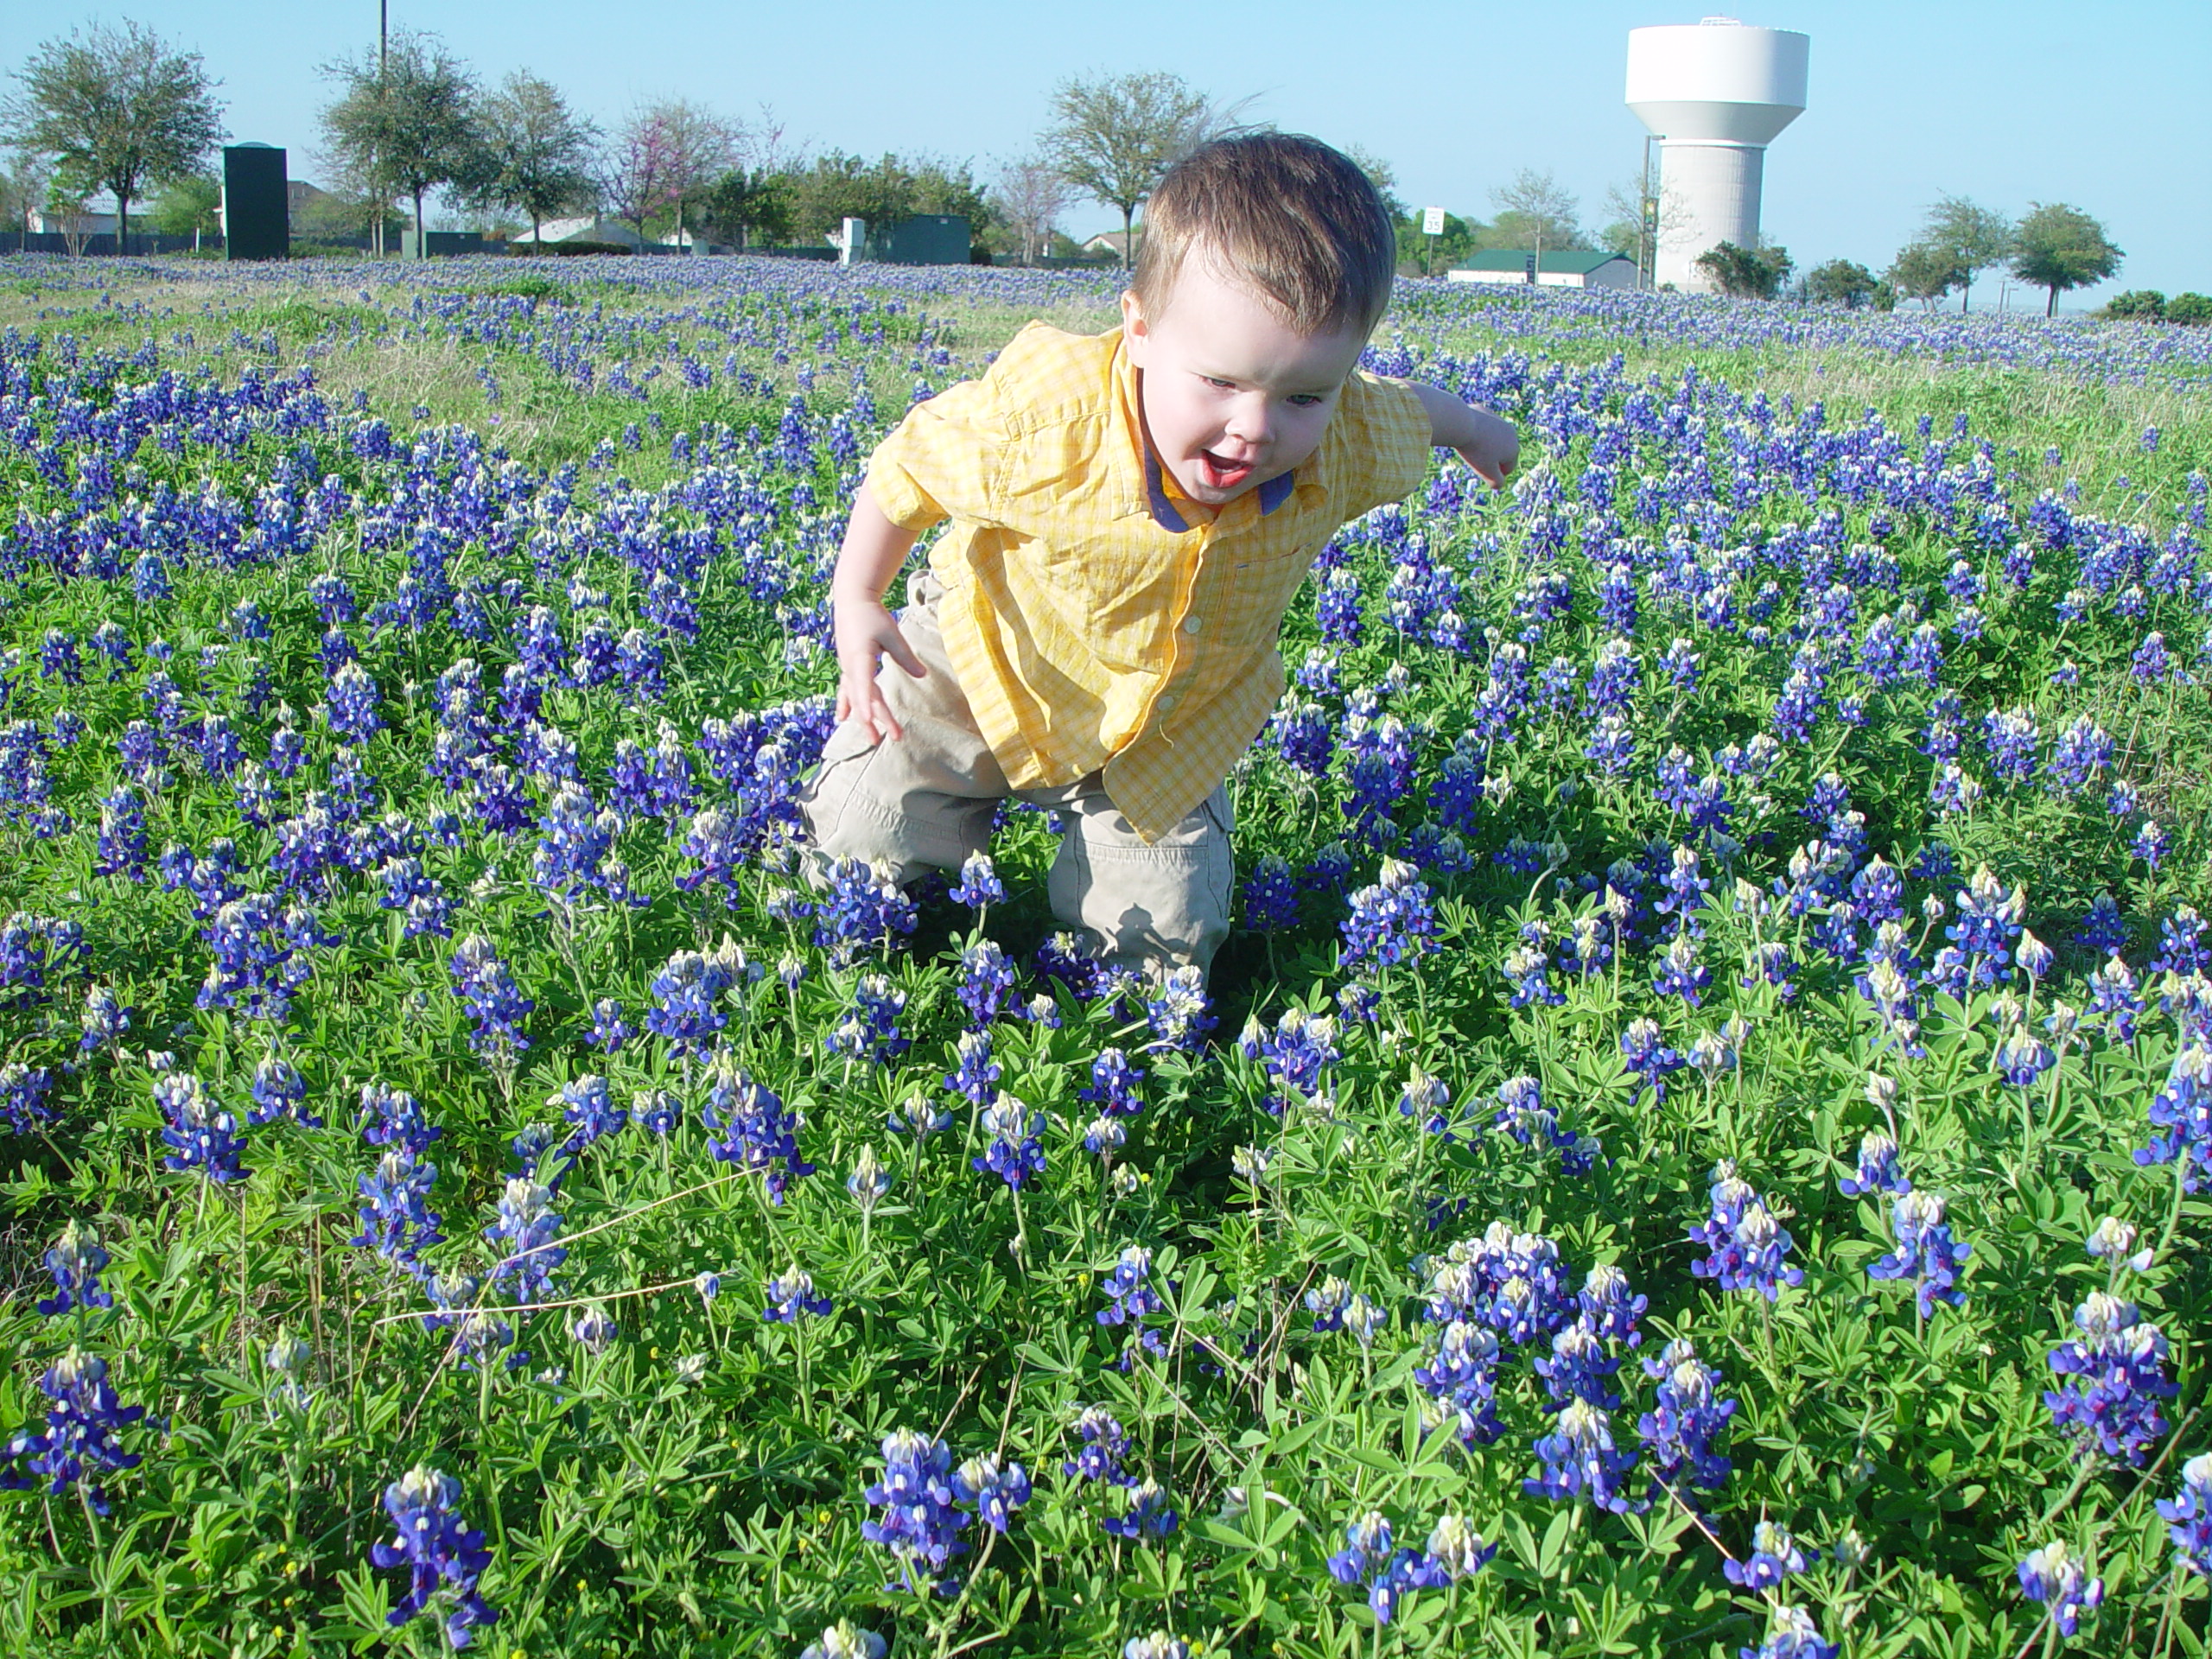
<point x="2105" y="106"/>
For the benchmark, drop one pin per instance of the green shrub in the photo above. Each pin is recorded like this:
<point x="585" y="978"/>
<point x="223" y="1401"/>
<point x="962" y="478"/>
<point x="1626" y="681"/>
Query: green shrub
<point x="2138" y="305"/>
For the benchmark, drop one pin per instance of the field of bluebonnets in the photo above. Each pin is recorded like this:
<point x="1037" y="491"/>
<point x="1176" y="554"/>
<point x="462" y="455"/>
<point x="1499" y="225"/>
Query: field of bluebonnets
<point x="1694" y="1148"/>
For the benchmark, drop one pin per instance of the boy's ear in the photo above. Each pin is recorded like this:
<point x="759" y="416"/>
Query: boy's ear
<point x="1133" y="327"/>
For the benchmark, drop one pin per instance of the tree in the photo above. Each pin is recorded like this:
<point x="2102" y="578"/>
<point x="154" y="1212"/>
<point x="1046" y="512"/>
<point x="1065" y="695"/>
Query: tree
<point x="537" y="153"/>
<point x="1747" y="273"/>
<point x="1382" y="176"/>
<point x="407" y="127"/>
<point x="1841" y="282"/>
<point x="23" y="188"/>
<point x="2137" y="305"/>
<point x="2058" y="248"/>
<point x="1535" y="205"/>
<point x="665" y="157"/>
<point x="116" y="110"/>
<point x="1976" y="238"/>
<point x="748" y="201"/>
<point x="192" y="206"/>
<point x="1113" y="136"/>
<point x="1925" y="271"/>
<point x="1030" y="195"/>
<point x="2191" y="310"/>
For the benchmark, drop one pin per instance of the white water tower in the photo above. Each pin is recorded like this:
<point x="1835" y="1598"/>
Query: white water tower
<point x="1714" y="94"/>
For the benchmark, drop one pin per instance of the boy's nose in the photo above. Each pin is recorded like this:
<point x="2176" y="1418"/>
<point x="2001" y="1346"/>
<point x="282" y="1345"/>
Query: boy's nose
<point x="1248" y="422"/>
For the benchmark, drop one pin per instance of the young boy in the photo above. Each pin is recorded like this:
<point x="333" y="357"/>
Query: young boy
<point x="1132" y="512"/>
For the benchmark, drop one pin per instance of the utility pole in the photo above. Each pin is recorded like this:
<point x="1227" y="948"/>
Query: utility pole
<point x="1647" y="228"/>
<point x="383" y="33"/>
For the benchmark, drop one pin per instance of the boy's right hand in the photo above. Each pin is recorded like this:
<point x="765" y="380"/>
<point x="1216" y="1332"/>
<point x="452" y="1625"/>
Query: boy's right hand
<point x="866" y="633"/>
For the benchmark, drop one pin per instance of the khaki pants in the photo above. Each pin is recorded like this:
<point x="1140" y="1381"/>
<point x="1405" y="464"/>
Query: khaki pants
<point x="926" y="801"/>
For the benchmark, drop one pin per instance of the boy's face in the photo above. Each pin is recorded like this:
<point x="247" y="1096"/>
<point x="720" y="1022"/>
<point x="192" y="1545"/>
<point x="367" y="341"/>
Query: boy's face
<point x="1233" y="395"/>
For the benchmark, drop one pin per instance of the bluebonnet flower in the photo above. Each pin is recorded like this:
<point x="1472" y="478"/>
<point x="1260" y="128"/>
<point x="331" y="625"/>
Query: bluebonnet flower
<point x="609" y="1030"/>
<point x="75" y="1262"/>
<point x="1129" y="1288"/>
<point x="104" y="1020"/>
<point x="1391" y="922"/>
<point x="919" y="1523"/>
<point x="589" y="1102"/>
<point x="1388" y="1574"/>
<point x="1522" y="1114"/>
<point x="1580" y="1461"/>
<point x="1680" y="974"/>
<point x="869" y="1182"/>
<point x="1177" y="1010"/>
<point x="1747" y="1243"/>
<point x="845" y="1640"/>
<point x="2182" y="947"/>
<point x="2182" y="1107"/>
<point x="1462" y="1377"/>
<point x="1609" y="1307"/>
<point x="2189" y="1515"/>
<point x="863" y="908"/>
<point x="1528" y="970"/>
<point x="200" y="1135"/>
<point x="1160" y="1644"/>
<point x="2055" y="1577"/>
<point x="2151" y="845"/>
<point x="919" y="1118"/>
<point x="869" y="1032"/>
<point x="80" y="1439"/>
<point x="714" y="843"/>
<point x="396" y="1220"/>
<point x="2021" y="1056"/>
<point x="24" y="1092"/>
<point x="1105" y="1445"/>
<point x="525" y="1229"/>
<point x="441" y="1558"/>
<point x="1775" y="1555"/>
<point x="390" y="1117"/>
<point x="1685" y="1430"/>
<point x="1790" y="1634"/>
<point x="2112" y="1240"/>
<point x="684" y="993"/>
<point x="1326" y="1302"/>
<point x="1015" y="1152"/>
<point x="1686" y="887"/>
<point x="1146" y="1514"/>
<point x="1296" y="1053"/>
<point x="1113" y="1086"/>
<point x="755" y="1130"/>
<point x="974" y="1076"/>
<point x="791" y="1293"/>
<point x="1650" y="1058"/>
<point x="1577" y="1369"/>
<point x="350" y="710"/>
<point x="1428" y="1100"/>
<point x="2114" y="1376"/>
<point x="991" y="1488"/>
<point x="120" y="848"/>
<point x="979" y="886"/>
<point x="1303" y="735"/>
<point x="1270" y="896"/>
<point x="495" y="1003"/>
<point x="986" y="981"/>
<point x="594" y="1329"/>
<point x="1877" y="1169"/>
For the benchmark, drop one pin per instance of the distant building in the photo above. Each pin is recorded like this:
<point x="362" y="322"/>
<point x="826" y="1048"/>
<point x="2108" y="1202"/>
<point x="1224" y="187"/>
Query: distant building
<point x="299" y="195"/>
<point x="1115" y="242"/>
<point x="1556" y="269"/>
<point x="587" y="227"/>
<point x="42" y="223"/>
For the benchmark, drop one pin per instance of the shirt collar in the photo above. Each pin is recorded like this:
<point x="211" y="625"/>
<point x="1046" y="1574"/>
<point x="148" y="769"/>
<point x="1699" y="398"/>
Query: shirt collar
<point x="1160" y="495"/>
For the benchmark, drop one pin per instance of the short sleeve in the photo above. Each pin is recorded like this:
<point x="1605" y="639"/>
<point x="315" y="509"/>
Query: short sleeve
<point x="940" y="462"/>
<point x="1383" y="443"/>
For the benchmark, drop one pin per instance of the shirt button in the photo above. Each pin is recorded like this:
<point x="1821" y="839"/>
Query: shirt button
<point x="1166" y="703"/>
<point x="1191" y="625"/>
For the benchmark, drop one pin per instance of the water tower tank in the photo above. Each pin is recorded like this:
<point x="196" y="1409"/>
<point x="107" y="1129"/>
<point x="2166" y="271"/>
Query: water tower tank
<point x="1714" y="94"/>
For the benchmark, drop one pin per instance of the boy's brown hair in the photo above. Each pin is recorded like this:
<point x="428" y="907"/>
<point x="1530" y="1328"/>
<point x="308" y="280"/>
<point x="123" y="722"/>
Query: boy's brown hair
<point x="1295" y="219"/>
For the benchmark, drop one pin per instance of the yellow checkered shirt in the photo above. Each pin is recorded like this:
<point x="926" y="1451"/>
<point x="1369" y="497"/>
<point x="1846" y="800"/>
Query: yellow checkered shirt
<point x="1097" y="619"/>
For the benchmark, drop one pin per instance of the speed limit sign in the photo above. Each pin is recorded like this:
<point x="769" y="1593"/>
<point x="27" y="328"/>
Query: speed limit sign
<point x="1432" y="221"/>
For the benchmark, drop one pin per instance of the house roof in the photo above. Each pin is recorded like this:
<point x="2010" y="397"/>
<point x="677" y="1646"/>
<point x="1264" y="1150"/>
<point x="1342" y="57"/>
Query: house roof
<point x="1574" y="262"/>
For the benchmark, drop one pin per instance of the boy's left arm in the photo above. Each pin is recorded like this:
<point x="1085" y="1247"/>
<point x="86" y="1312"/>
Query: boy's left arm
<point x="1485" y="441"/>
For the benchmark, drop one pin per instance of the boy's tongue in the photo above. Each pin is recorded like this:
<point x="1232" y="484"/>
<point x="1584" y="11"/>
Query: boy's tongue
<point x="1220" y="474"/>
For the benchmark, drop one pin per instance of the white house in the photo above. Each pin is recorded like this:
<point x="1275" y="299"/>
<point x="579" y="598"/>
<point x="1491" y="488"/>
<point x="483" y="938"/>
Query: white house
<point x="588" y="228"/>
<point x="1556" y="269"/>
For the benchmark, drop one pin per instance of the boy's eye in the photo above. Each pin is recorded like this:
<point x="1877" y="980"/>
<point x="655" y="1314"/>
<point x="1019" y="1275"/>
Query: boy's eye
<point x="1215" y="380"/>
<point x="1307" y="400"/>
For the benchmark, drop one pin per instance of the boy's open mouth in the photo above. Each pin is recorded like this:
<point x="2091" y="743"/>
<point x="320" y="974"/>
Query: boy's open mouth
<point x="1219" y="475"/>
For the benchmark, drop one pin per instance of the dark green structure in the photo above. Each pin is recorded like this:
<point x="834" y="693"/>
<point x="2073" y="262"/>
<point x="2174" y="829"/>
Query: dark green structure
<point x="257" y="221"/>
<point x="920" y="239"/>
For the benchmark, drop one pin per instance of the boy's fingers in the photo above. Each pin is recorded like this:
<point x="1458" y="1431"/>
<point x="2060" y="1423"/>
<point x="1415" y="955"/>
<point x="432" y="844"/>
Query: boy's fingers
<point x="896" y="648"/>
